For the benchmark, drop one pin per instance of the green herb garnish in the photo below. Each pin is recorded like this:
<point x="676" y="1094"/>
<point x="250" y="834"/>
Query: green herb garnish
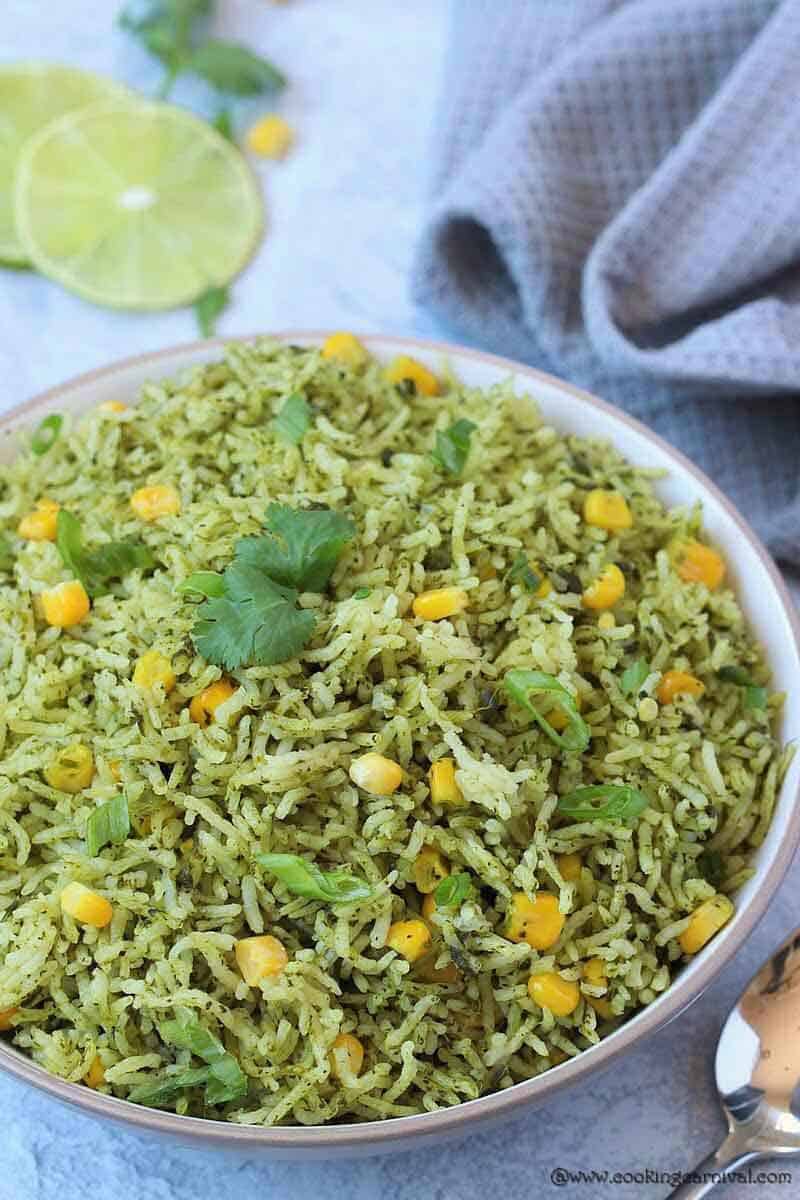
<point x="303" y="878"/>
<point x="223" y="123"/>
<point x="522" y="571"/>
<point x="633" y="677"/>
<point x="96" y="568"/>
<point x="234" y="69"/>
<point x="208" y="307"/>
<point x="453" y="890"/>
<point x="223" y="1078"/>
<point x="156" y="1094"/>
<point x="46" y="433"/>
<point x="294" y="420"/>
<point x="736" y="675"/>
<point x="305" y="547"/>
<point x="603" y="802"/>
<point x="452" y="446"/>
<point x="203" y="583"/>
<point x="521" y="685"/>
<point x="362" y="593"/>
<point x="711" y="866"/>
<point x="109" y="824"/>
<point x="755" y="697"/>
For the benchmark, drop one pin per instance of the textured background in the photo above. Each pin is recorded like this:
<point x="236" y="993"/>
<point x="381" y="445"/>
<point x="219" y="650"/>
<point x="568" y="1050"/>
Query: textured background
<point x="344" y="212"/>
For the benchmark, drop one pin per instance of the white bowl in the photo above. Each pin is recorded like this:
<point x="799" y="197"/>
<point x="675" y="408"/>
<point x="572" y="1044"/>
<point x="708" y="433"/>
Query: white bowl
<point x="773" y="620"/>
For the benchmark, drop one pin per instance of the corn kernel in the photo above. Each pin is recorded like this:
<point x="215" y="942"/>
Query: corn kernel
<point x="375" y="774"/>
<point x="705" y="921"/>
<point x="442" y="780"/>
<point x="72" y="769"/>
<point x="678" y="683"/>
<point x="428" y="906"/>
<point x="601" y="1006"/>
<point x="112" y="406"/>
<point x="153" y="668"/>
<point x="346" y="348"/>
<point x="607" y="590"/>
<point x="537" y="922"/>
<point x="7" y="1019"/>
<point x="271" y="137"/>
<point x="350" y="1048"/>
<point x="606" y="621"/>
<point x="66" y="604"/>
<point x="439" y="603"/>
<point x="206" y="703"/>
<point x="86" y="906"/>
<point x="594" y="972"/>
<point x="558" y="718"/>
<point x="430" y="868"/>
<point x="158" y="500"/>
<point x="403" y="367"/>
<point x="550" y="990"/>
<point x="409" y="938"/>
<point x="607" y="510"/>
<point x="701" y="564"/>
<point x="569" y="866"/>
<point x="427" y="971"/>
<point x="40" y="525"/>
<point x="260" y="958"/>
<point x="96" y="1075"/>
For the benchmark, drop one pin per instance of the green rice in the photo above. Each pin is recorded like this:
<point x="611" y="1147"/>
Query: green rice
<point x="270" y="772"/>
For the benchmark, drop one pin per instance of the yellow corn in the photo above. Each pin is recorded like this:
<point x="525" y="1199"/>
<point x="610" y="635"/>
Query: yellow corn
<point x="430" y="868"/>
<point x="40" y="525"/>
<point x="439" y="603"/>
<point x="428" y="906"/>
<point x="701" y="564"/>
<point x="206" y="703"/>
<point x="594" y="972"/>
<point x="678" y="683"/>
<point x="7" y="1019"/>
<point x="537" y="922"/>
<point x="442" y="780"/>
<point x="607" y="590"/>
<point x="607" y="510"/>
<point x="409" y="938"/>
<point x="375" y="774"/>
<point x="705" y="921"/>
<point x="558" y="718"/>
<point x="403" y="367"/>
<point x="271" y="137"/>
<point x="72" y="769"/>
<point x="428" y="972"/>
<point x="601" y="1006"/>
<point x="66" y="604"/>
<point x="348" y="1045"/>
<point x="86" y="906"/>
<point x="158" y="500"/>
<point x="550" y="990"/>
<point x="260" y="958"/>
<point x="569" y="866"/>
<point x="153" y="668"/>
<point x="96" y="1075"/>
<point x="346" y="348"/>
<point x="112" y="406"/>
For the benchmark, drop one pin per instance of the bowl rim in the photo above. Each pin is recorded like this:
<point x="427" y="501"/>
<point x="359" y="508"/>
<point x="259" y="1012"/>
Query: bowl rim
<point x="393" y="1131"/>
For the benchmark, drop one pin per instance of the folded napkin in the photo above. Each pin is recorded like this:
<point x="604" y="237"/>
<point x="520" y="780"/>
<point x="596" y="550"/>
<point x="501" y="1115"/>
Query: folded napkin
<point x="617" y="200"/>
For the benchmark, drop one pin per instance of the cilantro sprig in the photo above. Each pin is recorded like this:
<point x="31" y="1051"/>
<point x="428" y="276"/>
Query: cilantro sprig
<point x="96" y="568"/>
<point x="208" y="307"/>
<point x="223" y="1078"/>
<point x="452" y="446"/>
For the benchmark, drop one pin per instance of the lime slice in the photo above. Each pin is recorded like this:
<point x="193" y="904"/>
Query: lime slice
<point x="136" y="205"/>
<point x="32" y="95"/>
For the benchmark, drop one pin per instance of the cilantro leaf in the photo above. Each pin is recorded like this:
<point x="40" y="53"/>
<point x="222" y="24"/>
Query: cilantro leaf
<point x="110" y="823"/>
<point x="166" y="27"/>
<point x="294" y="420"/>
<point x="232" y="68"/>
<point x="96" y="568"/>
<point x="453" y="890"/>
<point x="256" y="621"/>
<point x="223" y="123"/>
<point x="521" y="570"/>
<point x="633" y="677"/>
<point x="452" y="446"/>
<point x="224" y="1079"/>
<point x="203" y="583"/>
<point x="304" y="550"/>
<point x="208" y="307"/>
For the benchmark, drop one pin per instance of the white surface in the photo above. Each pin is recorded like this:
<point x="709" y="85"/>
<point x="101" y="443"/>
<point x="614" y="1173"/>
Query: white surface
<point x="343" y="212"/>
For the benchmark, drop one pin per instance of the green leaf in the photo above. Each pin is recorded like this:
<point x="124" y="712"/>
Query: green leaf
<point x="256" y="621"/>
<point x="603" y="802"/>
<point x="232" y="68"/>
<point x="303" y="878"/>
<point x="294" y="420"/>
<point x="521" y="685"/>
<point x="208" y="307"/>
<point x="203" y="583"/>
<point x="736" y="675"/>
<point x="362" y="593"/>
<point x="109" y="824"/>
<point x="452" y="446"/>
<point x="521" y="571"/>
<point x="164" y="1089"/>
<point x="166" y="27"/>
<point x="755" y="697"/>
<point x="6" y="553"/>
<point x="453" y="890"/>
<point x="633" y="677"/>
<point x="225" y="1079"/>
<point x="46" y="434"/>
<point x="304" y="550"/>
<point x="223" y="123"/>
<point x="95" y="568"/>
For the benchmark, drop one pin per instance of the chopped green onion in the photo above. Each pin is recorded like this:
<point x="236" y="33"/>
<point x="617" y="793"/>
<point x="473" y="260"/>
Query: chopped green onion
<point x="603" y="802"/>
<point x="46" y="434"/>
<point x="453" y="890"/>
<point x="223" y="1077"/>
<point x="522" y="571"/>
<point x="203" y="583"/>
<point x="362" y="593"/>
<point x="191" y="1035"/>
<point x="304" y="878"/>
<point x="294" y="420"/>
<point x="452" y="446"/>
<point x="755" y="697"/>
<point x="736" y="675"/>
<point x="158" y="1093"/>
<point x="110" y="823"/>
<point x="633" y="677"/>
<point x="521" y="685"/>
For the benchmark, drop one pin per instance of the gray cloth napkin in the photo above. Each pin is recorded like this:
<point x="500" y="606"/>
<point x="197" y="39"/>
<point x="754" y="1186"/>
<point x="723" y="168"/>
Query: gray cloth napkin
<point x="617" y="200"/>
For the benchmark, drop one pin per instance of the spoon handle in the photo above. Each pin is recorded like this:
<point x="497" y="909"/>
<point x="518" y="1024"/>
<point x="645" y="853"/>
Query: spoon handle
<point x="733" y="1151"/>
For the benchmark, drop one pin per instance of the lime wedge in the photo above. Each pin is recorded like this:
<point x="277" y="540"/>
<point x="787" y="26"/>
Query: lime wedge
<point x="136" y="205"/>
<point x="32" y="95"/>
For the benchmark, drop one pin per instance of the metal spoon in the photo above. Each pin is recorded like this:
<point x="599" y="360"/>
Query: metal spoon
<point x="758" y="1072"/>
